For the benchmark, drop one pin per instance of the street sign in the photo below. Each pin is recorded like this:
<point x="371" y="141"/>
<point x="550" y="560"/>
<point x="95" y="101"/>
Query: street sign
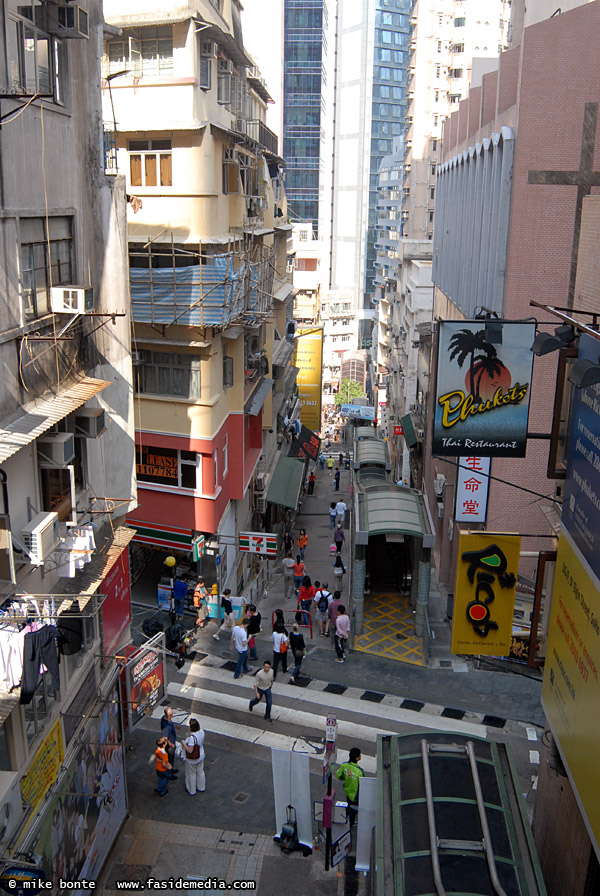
<point x="341" y="848"/>
<point x="198" y="548"/>
<point x="218" y="560"/>
<point x="331" y="730"/>
<point x="398" y="430"/>
<point x="258" y="543"/>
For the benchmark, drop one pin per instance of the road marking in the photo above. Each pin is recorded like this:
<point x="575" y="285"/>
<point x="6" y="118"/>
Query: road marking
<point x="534" y="757"/>
<point x="531" y="734"/>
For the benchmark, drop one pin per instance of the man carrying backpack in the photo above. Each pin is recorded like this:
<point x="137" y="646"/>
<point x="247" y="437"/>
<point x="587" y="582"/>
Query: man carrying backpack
<point x="322" y="600"/>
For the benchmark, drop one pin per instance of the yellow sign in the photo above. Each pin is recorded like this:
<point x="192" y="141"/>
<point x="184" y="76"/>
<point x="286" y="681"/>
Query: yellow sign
<point x="572" y="670"/>
<point x="45" y="766"/>
<point x="308" y="358"/>
<point x="486" y="584"/>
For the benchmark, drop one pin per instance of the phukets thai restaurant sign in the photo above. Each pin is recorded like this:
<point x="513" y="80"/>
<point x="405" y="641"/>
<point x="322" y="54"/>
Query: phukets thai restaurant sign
<point x="486" y="584"/>
<point x="482" y="393"/>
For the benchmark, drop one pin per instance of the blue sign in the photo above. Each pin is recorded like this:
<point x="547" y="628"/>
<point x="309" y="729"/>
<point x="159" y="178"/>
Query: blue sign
<point x="581" y="505"/>
<point x="218" y="560"/>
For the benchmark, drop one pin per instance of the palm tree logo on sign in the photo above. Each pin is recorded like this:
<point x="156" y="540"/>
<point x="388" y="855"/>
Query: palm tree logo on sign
<point x="486" y="372"/>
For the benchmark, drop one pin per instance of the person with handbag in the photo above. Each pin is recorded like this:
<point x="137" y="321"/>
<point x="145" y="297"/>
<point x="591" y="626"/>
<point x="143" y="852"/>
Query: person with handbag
<point x="302" y="542"/>
<point x="280" y="648"/>
<point x="338" y="570"/>
<point x="298" y="651"/>
<point x="227" y="624"/>
<point x="200" y="603"/>
<point x="195" y="779"/>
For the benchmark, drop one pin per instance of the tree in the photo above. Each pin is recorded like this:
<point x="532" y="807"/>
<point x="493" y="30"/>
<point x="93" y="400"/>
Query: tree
<point x="348" y="390"/>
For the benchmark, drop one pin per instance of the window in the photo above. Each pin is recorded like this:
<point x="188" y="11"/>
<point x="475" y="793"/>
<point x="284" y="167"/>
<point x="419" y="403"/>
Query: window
<point x="169" y="374"/>
<point x="146" y="52"/>
<point x="303" y="236"/>
<point x="439" y="46"/>
<point x="231" y="170"/>
<point x="38" y="710"/>
<point x="224" y="72"/>
<point x="205" y="72"/>
<point x="458" y="48"/>
<point x="225" y="456"/>
<point x="56" y="492"/>
<point x="460" y="22"/>
<point x="33" y="58"/>
<point x="216" y="468"/>
<point x="227" y="372"/>
<point x="173" y="467"/>
<point x="150" y="163"/>
<point x="456" y="72"/>
<point x="434" y="145"/>
<point x="432" y="193"/>
<point x="438" y="70"/>
<point x="46" y="257"/>
<point x="431" y="217"/>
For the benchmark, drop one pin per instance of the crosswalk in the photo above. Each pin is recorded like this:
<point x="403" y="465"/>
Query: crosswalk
<point x="299" y="716"/>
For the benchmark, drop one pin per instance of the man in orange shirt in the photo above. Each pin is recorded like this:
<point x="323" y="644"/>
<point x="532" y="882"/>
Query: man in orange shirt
<point x="163" y="766"/>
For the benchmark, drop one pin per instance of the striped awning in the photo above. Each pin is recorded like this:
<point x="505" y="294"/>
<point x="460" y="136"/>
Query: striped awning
<point x="37" y="417"/>
<point x="169" y="538"/>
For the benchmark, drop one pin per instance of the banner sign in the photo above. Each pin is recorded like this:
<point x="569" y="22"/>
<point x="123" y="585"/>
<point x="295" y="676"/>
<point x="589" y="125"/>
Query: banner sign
<point x="572" y="675"/>
<point x="581" y="505"/>
<point x="258" y="543"/>
<point x="472" y="489"/>
<point x="358" y="411"/>
<point x="45" y="767"/>
<point x="486" y="584"/>
<point x="308" y="358"/>
<point x="306" y="444"/>
<point x="482" y="392"/>
<point x="116" y="607"/>
<point x="144" y="680"/>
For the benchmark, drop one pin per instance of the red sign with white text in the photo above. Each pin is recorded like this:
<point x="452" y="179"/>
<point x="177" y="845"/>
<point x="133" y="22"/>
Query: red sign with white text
<point x="116" y="609"/>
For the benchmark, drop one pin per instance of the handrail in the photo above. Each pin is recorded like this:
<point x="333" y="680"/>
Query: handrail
<point x="433" y="837"/>
<point x="487" y="841"/>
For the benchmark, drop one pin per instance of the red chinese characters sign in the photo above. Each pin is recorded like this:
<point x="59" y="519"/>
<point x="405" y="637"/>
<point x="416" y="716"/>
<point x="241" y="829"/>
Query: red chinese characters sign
<point x="116" y="609"/>
<point x="472" y="489"/>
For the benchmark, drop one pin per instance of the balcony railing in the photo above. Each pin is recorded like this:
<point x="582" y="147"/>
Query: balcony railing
<point x="261" y="134"/>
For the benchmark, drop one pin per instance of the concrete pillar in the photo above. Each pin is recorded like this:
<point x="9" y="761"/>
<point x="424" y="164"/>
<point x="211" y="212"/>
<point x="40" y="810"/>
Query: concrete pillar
<point x="422" y="596"/>
<point x="358" y="592"/>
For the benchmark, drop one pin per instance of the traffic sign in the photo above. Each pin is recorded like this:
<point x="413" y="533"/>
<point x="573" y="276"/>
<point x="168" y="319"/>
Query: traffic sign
<point x="331" y="729"/>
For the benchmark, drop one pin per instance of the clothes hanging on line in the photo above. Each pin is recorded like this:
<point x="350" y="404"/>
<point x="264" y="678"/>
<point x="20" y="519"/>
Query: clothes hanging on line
<point x="39" y="647"/>
<point x="70" y="628"/>
<point x="11" y="656"/>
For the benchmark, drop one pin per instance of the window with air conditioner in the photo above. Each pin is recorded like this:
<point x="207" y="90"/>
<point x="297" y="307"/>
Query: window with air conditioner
<point x="146" y="52"/>
<point x="36" y="59"/>
<point x="150" y="163"/>
<point x="46" y="260"/>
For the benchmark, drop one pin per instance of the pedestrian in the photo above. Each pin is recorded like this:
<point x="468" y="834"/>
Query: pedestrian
<point x="351" y="773"/>
<point x="263" y="685"/>
<point x="327" y="446"/>
<point x="254" y="620"/>
<point x="162" y="766"/>
<point x="338" y="538"/>
<point x="321" y="461"/>
<point x="201" y="603"/>
<point x="311" y="483"/>
<point x="298" y="574"/>
<point x="195" y="779"/>
<point x="332" y="514"/>
<point x="226" y="606"/>
<point x="336" y="481"/>
<point x="288" y="543"/>
<point x="239" y="643"/>
<point x="322" y="600"/>
<point x="302" y="542"/>
<point x="280" y="648"/>
<point x="339" y="570"/>
<point x="167" y="729"/>
<point x="298" y="648"/>
<point x="330" y="463"/>
<point x="341" y="460"/>
<point x="180" y="591"/>
<point x="340" y="511"/>
<point x="332" y="612"/>
<point x="288" y="573"/>
<point x="342" y="630"/>
<point x="305" y="598"/>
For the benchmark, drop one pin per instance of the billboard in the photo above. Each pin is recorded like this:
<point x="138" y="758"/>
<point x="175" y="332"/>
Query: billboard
<point x="486" y="584"/>
<point x="306" y="444"/>
<point x="581" y="505"/>
<point x="145" y="680"/>
<point x="571" y="675"/>
<point x="308" y="358"/>
<point x="116" y="607"/>
<point x="482" y="391"/>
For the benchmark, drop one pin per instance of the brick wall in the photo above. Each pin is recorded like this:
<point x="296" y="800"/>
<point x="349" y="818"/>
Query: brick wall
<point x="587" y="284"/>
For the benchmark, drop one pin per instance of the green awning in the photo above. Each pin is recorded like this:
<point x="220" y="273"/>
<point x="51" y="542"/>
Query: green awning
<point x="284" y="487"/>
<point x="388" y="509"/>
<point x="365" y="432"/>
<point x="371" y="451"/>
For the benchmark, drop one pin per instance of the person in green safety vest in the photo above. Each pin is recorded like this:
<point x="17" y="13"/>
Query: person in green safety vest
<point x="350" y="774"/>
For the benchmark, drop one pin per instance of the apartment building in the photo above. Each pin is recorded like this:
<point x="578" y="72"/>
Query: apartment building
<point x="208" y="251"/>
<point x="66" y="447"/>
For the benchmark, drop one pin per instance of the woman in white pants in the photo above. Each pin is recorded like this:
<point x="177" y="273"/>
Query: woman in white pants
<point x="193" y="745"/>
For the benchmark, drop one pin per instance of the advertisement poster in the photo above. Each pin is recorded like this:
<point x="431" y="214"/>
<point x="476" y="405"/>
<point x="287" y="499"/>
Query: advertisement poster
<point x="308" y="358"/>
<point x="486" y="584"/>
<point x="482" y="392"/>
<point x="144" y="681"/>
<point x="258" y="543"/>
<point x="472" y="485"/>
<point x="306" y="444"/>
<point x="571" y="675"/>
<point x="116" y="607"/>
<point x="581" y="505"/>
<point x="83" y="816"/>
<point x="45" y="767"/>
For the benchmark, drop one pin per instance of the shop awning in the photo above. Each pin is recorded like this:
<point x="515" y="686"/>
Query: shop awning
<point x="371" y="451"/>
<point x="284" y="488"/>
<point x="257" y="400"/>
<point x="385" y="509"/>
<point x="365" y="432"/>
<point x="169" y="538"/>
<point x="37" y="417"/>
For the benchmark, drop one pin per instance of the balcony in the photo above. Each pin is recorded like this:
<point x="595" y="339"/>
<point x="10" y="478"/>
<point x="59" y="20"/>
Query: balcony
<point x="257" y="131"/>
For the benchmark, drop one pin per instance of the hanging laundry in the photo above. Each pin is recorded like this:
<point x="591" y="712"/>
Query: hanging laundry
<point x="70" y="630"/>
<point x="39" y="647"/>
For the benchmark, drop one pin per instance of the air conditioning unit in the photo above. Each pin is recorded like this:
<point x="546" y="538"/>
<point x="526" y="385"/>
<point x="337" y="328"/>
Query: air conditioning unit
<point x="71" y="299"/>
<point x="440" y="510"/>
<point x="439" y="484"/>
<point x="225" y="66"/>
<point x="90" y="423"/>
<point x="208" y="48"/>
<point x="11" y="807"/>
<point x="260" y="504"/>
<point x="259" y="485"/>
<point x="56" y="449"/>
<point x="40" y="537"/>
<point x="138" y="358"/>
<point x="67" y="21"/>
